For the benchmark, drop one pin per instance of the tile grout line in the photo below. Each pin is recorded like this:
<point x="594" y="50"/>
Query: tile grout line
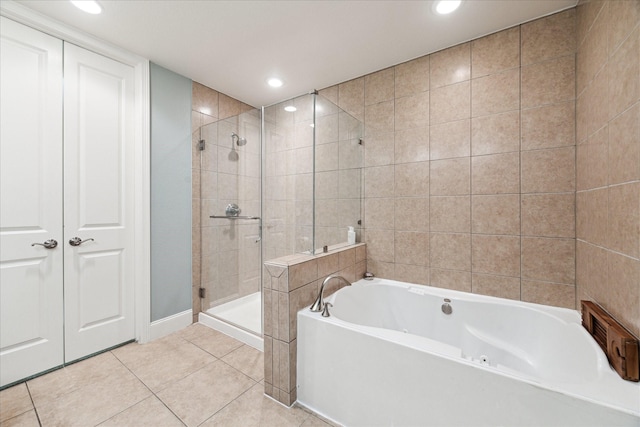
<point x="148" y="388"/>
<point x="33" y="404"/>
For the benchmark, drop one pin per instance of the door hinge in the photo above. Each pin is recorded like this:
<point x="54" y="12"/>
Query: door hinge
<point x="202" y="292"/>
<point x="201" y="145"/>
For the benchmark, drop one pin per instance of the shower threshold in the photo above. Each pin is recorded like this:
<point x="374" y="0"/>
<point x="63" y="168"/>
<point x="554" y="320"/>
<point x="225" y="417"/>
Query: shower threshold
<point x="240" y="318"/>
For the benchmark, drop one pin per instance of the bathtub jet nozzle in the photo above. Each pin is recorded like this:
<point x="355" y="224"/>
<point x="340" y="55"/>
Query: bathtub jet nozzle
<point x="319" y="303"/>
<point x="446" y="307"/>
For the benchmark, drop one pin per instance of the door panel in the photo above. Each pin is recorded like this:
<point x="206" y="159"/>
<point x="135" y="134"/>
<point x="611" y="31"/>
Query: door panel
<point x="98" y="155"/>
<point x="31" y="301"/>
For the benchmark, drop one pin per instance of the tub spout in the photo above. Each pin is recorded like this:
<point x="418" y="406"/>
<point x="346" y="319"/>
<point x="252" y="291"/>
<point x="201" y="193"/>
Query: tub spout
<point x="318" y="305"/>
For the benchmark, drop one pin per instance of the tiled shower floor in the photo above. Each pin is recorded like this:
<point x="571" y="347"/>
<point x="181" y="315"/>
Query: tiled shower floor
<point x="194" y="377"/>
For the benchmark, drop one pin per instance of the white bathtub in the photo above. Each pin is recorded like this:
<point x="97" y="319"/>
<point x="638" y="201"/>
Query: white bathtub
<point x="389" y="356"/>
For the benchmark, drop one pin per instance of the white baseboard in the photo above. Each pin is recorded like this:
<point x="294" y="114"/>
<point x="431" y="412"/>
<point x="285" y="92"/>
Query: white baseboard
<point x="171" y="324"/>
<point x="227" y="329"/>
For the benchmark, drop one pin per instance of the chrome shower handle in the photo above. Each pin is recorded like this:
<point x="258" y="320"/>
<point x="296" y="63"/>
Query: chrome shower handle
<point x="76" y="241"/>
<point x="48" y="244"/>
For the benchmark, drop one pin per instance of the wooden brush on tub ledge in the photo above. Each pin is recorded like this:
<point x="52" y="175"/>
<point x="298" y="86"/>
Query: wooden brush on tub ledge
<point x="620" y="346"/>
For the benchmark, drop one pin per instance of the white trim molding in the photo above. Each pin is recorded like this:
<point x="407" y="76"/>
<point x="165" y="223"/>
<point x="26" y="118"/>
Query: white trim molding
<point x="142" y="279"/>
<point x="168" y="325"/>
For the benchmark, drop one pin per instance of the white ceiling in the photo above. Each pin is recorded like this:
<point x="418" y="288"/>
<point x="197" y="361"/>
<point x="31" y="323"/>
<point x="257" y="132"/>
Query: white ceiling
<point x="234" y="46"/>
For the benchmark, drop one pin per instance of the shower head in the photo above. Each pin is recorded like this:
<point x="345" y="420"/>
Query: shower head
<point x="239" y="141"/>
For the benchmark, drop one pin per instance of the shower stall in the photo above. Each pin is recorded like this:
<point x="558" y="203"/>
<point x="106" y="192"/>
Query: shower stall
<point x="273" y="182"/>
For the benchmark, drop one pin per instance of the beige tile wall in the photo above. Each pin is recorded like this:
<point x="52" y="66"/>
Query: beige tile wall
<point x="289" y="284"/>
<point x="470" y="164"/>
<point x="217" y="243"/>
<point x="608" y="157"/>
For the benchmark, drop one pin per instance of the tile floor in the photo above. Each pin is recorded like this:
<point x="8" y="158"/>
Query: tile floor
<point x="194" y="377"/>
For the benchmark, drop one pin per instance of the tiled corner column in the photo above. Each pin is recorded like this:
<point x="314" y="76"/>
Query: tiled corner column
<point x="289" y="284"/>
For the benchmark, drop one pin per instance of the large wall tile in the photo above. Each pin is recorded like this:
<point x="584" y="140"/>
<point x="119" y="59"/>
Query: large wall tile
<point x="496" y="254"/>
<point x="412" y="145"/>
<point x="379" y="87"/>
<point x="412" y="179"/>
<point x="412" y="111"/>
<point x="450" y="213"/>
<point x="380" y="149"/>
<point x="495" y="93"/>
<point x="551" y="260"/>
<point x="450" y="103"/>
<point x="549" y="37"/>
<point x="452" y="139"/>
<point x="451" y="279"/>
<point x="450" y="251"/>
<point x="412" y="77"/>
<point x="450" y="177"/>
<point x="496" y="286"/>
<point x="412" y="213"/>
<point x="379" y="118"/>
<point x="624" y="69"/>
<point x="411" y="248"/>
<point x="351" y="97"/>
<point x="548" y="82"/>
<point x="623" y="16"/>
<point x="624" y="146"/>
<point x="548" y="215"/>
<point x="498" y="133"/>
<point x="495" y="174"/>
<point x="452" y="65"/>
<point x="548" y="171"/>
<point x="624" y="276"/>
<point x="549" y="126"/>
<point x="379" y="181"/>
<point x="496" y="214"/>
<point x="624" y="219"/>
<point x="558" y="295"/>
<point x="496" y="52"/>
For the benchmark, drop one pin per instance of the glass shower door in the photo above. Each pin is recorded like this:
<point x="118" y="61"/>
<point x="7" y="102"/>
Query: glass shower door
<point x="230" y="185"/>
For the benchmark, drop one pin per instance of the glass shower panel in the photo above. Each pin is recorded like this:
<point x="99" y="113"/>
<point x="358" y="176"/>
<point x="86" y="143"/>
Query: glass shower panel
<point x="288" y="178"/>
<point x="339" y="159"/>
<point x="230" y="247"/>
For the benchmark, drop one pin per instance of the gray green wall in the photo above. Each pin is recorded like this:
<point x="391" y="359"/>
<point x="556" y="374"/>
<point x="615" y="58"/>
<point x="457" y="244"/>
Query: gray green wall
<point x="170" y="193"/>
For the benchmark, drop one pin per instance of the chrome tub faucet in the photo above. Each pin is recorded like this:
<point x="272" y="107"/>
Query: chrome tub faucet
<point x="319" y="304"/>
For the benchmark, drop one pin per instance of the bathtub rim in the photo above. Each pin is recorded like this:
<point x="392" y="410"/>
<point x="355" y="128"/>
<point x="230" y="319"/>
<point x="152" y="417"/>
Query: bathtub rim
<point x="569" y="316"/>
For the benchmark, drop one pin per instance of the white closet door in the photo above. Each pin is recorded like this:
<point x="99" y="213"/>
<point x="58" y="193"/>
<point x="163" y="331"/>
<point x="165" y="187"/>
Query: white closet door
<point x="99" y="202"/>
<point x="31" y="334"/>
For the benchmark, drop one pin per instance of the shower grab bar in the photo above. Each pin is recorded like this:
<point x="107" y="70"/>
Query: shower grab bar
<point x="234" y="217"/>
<point x="241" y="217"/>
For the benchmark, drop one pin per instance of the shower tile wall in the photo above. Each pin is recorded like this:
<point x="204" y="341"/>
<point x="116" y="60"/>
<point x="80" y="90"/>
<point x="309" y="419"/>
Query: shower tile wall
<point x="608" y="157"/>
<point x="288" y="222"/>
<point x="289" y="180"/>
<point x="470" y="164"/>
<point x="225" y="247"/>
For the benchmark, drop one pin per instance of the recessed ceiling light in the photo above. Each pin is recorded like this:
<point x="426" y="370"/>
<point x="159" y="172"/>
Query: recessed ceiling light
<point x="290" y="108"/>
<point x="274" y="82"/>
<point x="88" y="6"/>
<point x="444" y="7"/>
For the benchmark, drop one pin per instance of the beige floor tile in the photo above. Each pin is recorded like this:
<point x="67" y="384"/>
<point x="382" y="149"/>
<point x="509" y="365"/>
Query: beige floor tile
<point x="94" y="403"/>
<point x="14" y="401"/>
<point x="247" y="360"/>
<point x="203" y="393"/>
<point x="150" y="412"/>
<point x="163" y="361"/>
<point x="314" y="421"/>
<point x="73" y="377"/>
<point x="28" y="419"/>
<point x="210" y="340"/>
<point x="255" y="409"/>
